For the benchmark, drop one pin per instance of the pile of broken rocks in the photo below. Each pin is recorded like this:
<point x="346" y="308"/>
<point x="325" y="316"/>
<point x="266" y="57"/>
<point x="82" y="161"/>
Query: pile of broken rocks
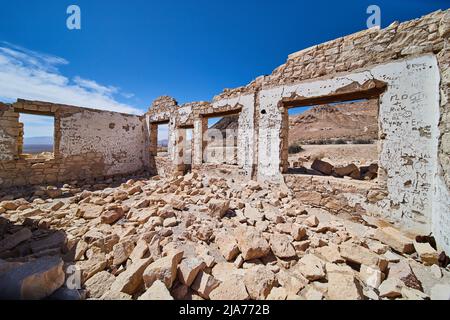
<point x="200" y="237"/>
<point x="350" y="171"/>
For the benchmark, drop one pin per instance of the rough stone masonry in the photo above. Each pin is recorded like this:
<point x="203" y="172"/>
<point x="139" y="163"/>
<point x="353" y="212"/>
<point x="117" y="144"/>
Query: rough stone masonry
<point x="404" y="66"/>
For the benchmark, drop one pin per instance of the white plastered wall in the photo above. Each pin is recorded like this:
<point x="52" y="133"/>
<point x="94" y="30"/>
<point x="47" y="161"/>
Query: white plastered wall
<point x="120" y="139"/>
<point x="409" y="115"/>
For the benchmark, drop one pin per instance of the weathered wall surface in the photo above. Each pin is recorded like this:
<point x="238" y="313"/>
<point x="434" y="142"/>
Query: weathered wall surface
<point x="162" y="111"/>
<point x="441" y="216"/>
<point x="118" y="139"/>
<point x="195" y="116"/>
<point x="89" y="144"/>
<point x="364" y="48"/>
<point x="409" y="114"/>
<point x="9" y="132"/>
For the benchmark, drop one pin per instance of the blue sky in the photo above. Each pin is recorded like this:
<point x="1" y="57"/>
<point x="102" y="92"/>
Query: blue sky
<point x="130" y="52"/>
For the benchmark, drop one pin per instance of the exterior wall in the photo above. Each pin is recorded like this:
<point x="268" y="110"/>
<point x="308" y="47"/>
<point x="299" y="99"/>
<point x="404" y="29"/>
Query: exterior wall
<point x="89" y="144"/>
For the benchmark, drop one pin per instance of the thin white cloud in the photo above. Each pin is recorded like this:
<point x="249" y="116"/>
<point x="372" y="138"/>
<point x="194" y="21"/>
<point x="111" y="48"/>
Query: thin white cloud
<point x="32" y="75"/>
<point x="127" y="95"/>
<point x="38" y="59"/>
<point x="93" y="86"/>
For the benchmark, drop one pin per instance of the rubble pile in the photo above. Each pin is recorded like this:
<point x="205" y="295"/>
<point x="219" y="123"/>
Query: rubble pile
<point x="324" y="168"/>
<point x="201" y="237"/>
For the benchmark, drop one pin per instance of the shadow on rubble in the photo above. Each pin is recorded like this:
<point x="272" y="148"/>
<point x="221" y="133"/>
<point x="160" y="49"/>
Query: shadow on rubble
<point x="60" y="191"/>
<point x="35" y="263"/>
<point x="322" y="168"/>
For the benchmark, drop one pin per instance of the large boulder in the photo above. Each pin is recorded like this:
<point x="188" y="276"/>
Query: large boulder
<point x="329" y="253"/>
<point x="9" y="242"/>
<point x="349" y="170"/>
<point x="121" y="251"/>
<point x="360" y="255"/>
<point x="391" y="288"/>
<point x="281" y="246"/>
<point x="99" y="284"/>
<point x="311" y="267"/>
<point x="403" y="271"/>
<point x="395" y="239"/>
<point x="34" y="280"/>
<point x="372" y="277"/>
<point x="157" y="291"/>
<point x="89" y="211"/>
<point x="259" y="282"/>
<point x="112" y="215"/>
<point x="342" y="284"/>
<point x="130" y="281"/>
<point x="232" y="287"/>
<point x="204" y="284"/>
<point x="218" y="207"/>
<point x="251" y="243"/>
<point x="428" y="255"/>
<point x="188" y="270"/>
<point x="227" y="245"/>
<point x="55" y="240"/>
<point x="322" y="166"/>
<point x="96" y="263"/>
<point x="164" y="269"/>
<point x="292" y="282"/>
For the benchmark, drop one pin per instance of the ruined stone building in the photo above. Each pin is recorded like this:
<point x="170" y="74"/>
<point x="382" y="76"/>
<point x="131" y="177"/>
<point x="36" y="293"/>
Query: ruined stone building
<point x="405" y="67"/>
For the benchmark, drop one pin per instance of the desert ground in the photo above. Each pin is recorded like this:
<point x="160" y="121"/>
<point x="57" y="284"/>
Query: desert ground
<point x="338" y="155"/>
<point x="198" y="236"/>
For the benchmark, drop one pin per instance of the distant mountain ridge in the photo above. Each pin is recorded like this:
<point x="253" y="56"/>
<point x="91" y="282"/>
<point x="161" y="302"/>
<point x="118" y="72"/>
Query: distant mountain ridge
<point x="347" y="121"/>
<point x="38" y="140"/>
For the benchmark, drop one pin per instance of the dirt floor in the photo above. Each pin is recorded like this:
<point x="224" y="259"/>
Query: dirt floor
<point x="337" y="155"/>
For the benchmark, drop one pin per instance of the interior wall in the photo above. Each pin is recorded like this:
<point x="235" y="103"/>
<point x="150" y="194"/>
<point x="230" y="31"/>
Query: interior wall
<point x="409" y="115"/>
<point x="89" y="144"/>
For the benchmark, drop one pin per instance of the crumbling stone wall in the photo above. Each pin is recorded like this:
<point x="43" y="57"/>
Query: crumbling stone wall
<point x="9" y="132"/>
<point x="406" y="67"/>
<point x="89" y="144"/>
<point x="441" y="216"/>
<point x="161" y="111"/>
<point x="195" y="115"/>
<point x="409" y="134"/>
